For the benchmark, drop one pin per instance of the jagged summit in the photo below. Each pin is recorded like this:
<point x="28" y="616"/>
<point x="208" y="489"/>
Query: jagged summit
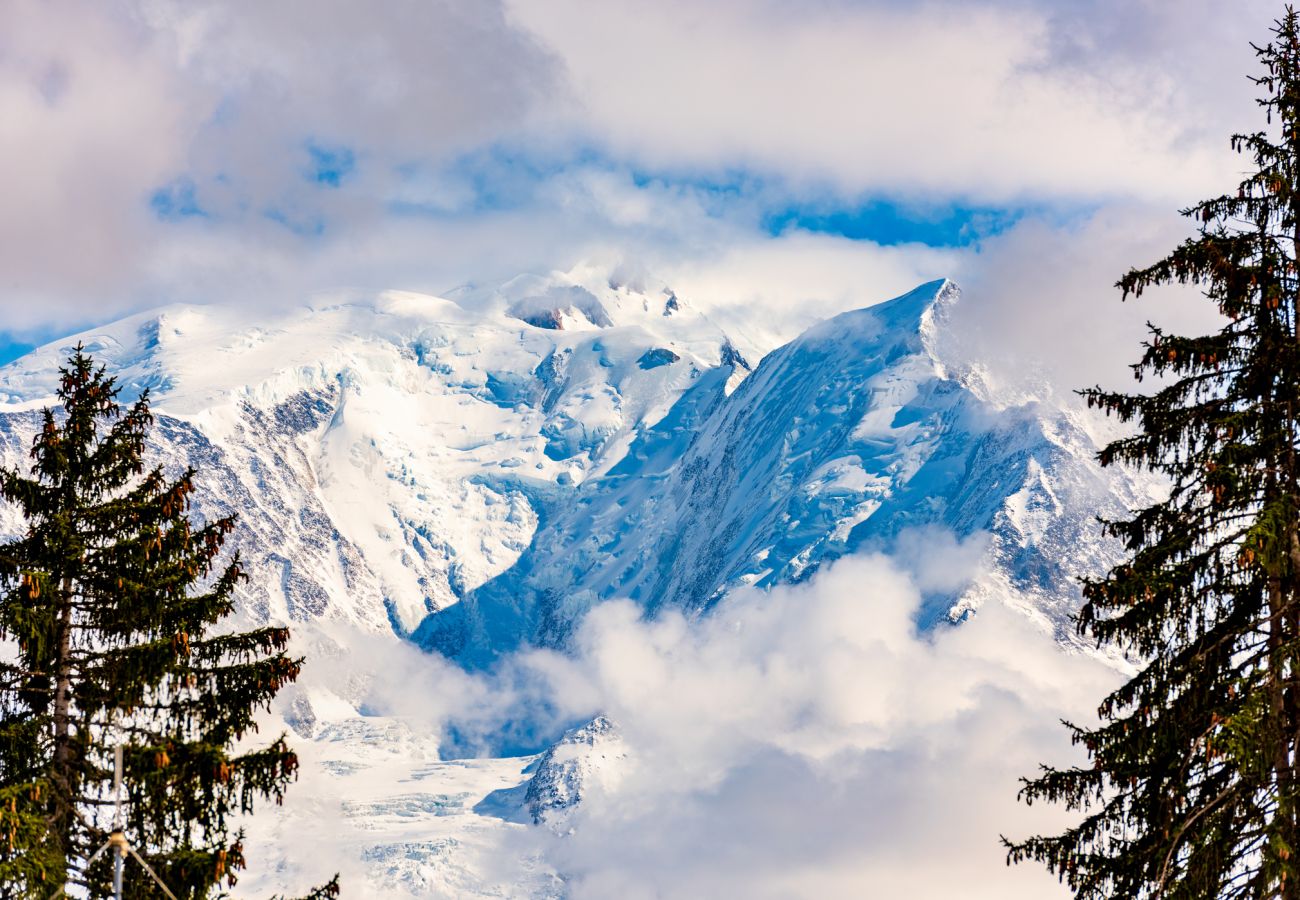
<point x="905" y="313"/>
<point x="911" y="323"/>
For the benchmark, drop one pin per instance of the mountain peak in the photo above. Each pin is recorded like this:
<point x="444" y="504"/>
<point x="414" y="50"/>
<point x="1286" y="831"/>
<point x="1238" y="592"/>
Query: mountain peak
<point x="910" y="324"/>
<point x="906" y="312"/>
<point x="928" y="297"/>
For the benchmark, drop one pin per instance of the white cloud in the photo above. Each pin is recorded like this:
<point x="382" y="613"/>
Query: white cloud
<point x="990" y="101"/>
<point x="765" y="291"/>
<point x="1001" y="101"/>
<point x="93" y="121"/>
<point x="801" y="742"/>
<point x="105" y="103"/>
<point x="406" y="82"/>
<point x="1039" y="301"/>
<point x="808" y="742"/>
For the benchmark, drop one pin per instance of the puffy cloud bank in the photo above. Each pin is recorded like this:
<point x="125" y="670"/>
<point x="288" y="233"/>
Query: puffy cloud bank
<point x="809" y="742"/>
<point x="804" y="742"/>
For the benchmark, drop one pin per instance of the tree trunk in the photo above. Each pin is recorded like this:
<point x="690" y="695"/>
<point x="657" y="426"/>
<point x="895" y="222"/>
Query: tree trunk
<point x="64" y="793"/>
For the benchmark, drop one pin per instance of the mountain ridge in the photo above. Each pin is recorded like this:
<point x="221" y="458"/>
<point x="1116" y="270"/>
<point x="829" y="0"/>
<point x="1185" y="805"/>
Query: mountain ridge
<point x="453" y="472"/>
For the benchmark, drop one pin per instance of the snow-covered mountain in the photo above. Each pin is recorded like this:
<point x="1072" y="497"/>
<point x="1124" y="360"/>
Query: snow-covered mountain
<point x="481" y="472"/>
<point x="475" y="473"/>
<point x="848" y="437"/>
<point x="389" y="455"/>
<point x="568" y="768"/>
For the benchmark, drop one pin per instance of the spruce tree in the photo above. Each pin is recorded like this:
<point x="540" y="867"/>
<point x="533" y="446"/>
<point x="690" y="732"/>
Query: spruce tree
<point x="111" y="611"/>
<point x="1193" y="789"/>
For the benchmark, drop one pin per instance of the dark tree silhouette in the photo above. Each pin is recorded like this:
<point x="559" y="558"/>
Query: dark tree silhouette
<point x="113" y="605"/>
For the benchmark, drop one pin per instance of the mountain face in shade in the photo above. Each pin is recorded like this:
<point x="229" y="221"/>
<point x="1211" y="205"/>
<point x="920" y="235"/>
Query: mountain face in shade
<point x="855" y="436"/>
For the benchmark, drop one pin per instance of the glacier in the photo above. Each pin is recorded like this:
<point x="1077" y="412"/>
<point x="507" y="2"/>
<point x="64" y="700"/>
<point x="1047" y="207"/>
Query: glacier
<point x="473" y="474"/>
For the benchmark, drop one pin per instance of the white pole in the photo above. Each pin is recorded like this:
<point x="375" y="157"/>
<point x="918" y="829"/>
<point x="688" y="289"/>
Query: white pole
<point x="117" y="842"/>
<point x="119" y="855"/>
<point x="117" y="786"/>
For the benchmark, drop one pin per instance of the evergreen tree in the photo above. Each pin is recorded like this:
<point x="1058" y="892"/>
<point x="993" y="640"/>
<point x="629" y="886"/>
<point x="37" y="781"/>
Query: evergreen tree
<point x="1193" y="789"/>
<point x="110" y="609"/>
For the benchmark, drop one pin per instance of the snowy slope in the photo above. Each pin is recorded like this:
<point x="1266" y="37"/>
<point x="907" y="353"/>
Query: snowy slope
<point x="480" y="471"/>
<point x="388" y="455"/>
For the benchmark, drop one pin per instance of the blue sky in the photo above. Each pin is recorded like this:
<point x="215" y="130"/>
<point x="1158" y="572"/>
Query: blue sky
<point x="504" y="178"/>
<point x="11" y="348"/>
<point x="886" y="222"/>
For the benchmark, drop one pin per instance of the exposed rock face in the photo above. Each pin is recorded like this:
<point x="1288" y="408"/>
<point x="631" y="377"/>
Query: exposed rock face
<point x="657" y="356"/>
<point x="584" y="759"/>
